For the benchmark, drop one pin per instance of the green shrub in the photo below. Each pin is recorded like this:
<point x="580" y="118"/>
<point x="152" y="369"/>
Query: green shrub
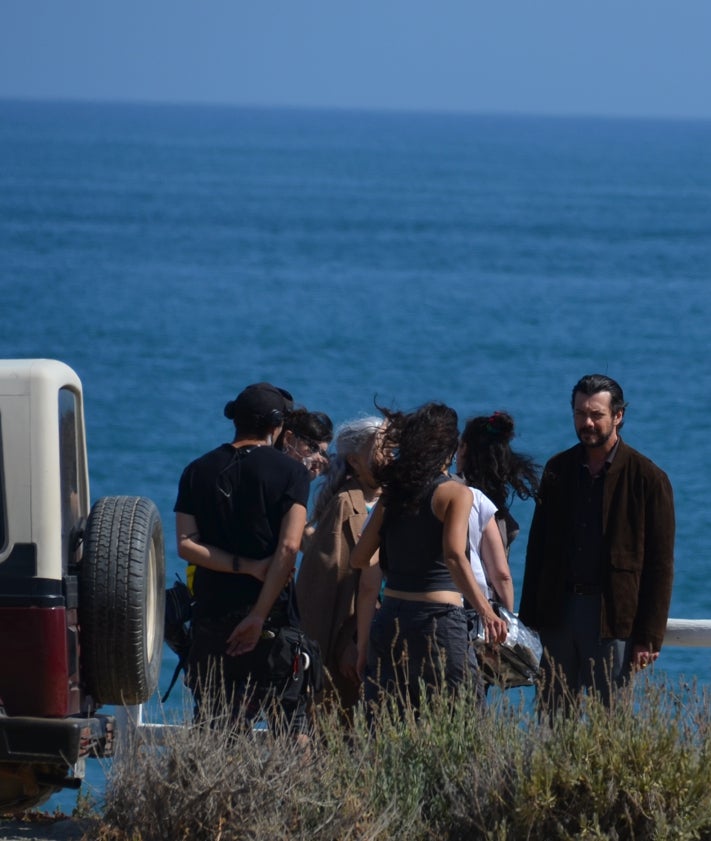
<point x="453" y="771"/>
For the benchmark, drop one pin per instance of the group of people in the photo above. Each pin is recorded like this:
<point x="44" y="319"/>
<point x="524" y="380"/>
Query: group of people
<point x="408" y="536"/>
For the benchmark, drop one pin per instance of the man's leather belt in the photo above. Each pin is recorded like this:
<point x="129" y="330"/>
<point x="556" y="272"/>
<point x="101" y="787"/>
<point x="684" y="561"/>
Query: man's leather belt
<point x="583" y="589"/>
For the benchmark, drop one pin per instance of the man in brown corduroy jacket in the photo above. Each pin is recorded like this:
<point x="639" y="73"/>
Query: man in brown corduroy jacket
<point x="600" y="557"/>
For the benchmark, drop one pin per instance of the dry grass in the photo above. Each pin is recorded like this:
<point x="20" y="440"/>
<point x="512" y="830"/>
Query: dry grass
<point x="638" y="771"/>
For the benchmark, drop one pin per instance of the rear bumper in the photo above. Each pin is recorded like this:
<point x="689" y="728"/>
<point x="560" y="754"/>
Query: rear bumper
<point x="33" y="740"/>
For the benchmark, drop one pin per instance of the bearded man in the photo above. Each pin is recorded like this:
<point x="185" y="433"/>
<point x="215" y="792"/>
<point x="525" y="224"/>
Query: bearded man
<point x="600" y="557"/>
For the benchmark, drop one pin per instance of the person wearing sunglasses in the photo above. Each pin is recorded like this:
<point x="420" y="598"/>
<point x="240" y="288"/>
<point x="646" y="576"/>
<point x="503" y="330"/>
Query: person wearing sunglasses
<point x="305" y="438"/>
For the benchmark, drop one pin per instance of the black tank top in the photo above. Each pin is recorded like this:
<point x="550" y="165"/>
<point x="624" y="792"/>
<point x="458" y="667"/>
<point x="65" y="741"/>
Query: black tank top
<point x="413" y="550"/>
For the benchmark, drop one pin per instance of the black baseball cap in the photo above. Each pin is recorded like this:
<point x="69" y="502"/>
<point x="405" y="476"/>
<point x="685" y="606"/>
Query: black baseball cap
<point x="258" y="401"/>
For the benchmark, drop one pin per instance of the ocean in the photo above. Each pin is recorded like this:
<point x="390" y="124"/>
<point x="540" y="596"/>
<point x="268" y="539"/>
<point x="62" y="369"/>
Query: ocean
<point x="172" y="255"/>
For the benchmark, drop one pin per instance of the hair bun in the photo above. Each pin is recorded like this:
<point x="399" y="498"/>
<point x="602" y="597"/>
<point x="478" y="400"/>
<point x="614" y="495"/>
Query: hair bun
<point x="230" y="409"/>
<point x="500" y="424"/>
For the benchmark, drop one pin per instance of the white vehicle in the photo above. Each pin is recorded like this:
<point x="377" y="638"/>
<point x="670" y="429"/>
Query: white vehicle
<point x="81" y="590"/>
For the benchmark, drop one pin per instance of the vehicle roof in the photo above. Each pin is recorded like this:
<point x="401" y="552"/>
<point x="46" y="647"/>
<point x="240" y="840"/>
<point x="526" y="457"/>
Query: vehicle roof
<point x="16" y="374"/>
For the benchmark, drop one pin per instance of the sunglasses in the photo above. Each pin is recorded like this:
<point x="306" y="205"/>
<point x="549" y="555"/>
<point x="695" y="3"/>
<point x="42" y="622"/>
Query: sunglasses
<point x="314" y="446"/>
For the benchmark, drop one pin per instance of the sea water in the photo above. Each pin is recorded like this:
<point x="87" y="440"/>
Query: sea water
<point x="172" y="255"/>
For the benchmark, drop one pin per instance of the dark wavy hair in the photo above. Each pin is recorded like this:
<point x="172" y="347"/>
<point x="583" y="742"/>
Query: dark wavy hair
<point x="417" y="446"/>
<point x="315" y="426"/>
<point x="489" y="463"/>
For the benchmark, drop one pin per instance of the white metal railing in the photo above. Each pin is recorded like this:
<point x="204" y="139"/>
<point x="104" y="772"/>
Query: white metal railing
<point x="688" y="633"/>
<point x="129" y="720"/>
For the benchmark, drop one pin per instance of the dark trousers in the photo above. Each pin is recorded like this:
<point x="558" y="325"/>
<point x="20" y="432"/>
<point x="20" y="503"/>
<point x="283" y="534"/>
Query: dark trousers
<point x="240" y="686"/>
<point x="413" y="641"/>
<point x="576" y="658"/>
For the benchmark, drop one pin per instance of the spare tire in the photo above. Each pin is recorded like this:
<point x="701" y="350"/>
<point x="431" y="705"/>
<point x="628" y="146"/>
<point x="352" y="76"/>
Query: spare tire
<point x="122" y="600"/>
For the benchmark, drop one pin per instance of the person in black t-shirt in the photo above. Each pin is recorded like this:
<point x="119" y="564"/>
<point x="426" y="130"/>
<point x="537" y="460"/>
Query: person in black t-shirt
<point x="240" y="516"/>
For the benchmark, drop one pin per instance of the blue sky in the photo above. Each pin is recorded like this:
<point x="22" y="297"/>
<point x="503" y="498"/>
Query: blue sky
<point x="604" y="57"/>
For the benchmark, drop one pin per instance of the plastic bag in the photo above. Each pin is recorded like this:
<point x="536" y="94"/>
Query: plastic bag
<point x="516" y="661"/>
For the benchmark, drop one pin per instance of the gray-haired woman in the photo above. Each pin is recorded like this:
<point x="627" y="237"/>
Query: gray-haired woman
<point x="327" y="587"/>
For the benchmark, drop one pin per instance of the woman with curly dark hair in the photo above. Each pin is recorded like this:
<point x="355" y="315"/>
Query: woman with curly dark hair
<point x="487" y="462"/>
<point x="420" y="527"/>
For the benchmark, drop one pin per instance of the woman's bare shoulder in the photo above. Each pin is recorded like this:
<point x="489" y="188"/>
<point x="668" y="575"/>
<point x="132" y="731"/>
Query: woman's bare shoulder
<point x="448" y="493"/>
<point x="452" y="488"/>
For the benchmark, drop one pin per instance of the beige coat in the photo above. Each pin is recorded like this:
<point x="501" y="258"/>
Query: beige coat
<point x="327" y="586"/>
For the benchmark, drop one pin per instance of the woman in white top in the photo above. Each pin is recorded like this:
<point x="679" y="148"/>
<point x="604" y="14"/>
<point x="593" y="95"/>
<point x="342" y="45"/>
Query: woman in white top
<point x="486" y="551"/>
<point x="486" y="461"/>
<point x="495" y="473"/>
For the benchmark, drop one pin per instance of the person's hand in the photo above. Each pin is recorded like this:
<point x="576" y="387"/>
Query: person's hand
<point x="361" y="663"/>
<point x="642" y="656"/>
<point x="245" y="636"/>
<point x="348" y="664"/>
<point x="495" y="628"/>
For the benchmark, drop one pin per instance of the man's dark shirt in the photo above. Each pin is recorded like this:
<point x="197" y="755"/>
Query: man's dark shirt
<point x="585" y="566"/>
<point x="239" y="498"/>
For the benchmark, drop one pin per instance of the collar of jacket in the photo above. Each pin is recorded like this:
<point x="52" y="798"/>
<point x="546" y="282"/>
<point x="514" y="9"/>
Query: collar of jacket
<point x="356" y="496"/>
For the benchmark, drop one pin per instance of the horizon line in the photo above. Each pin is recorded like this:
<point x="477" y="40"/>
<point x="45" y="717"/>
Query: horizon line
<point x="352" y="109"/>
